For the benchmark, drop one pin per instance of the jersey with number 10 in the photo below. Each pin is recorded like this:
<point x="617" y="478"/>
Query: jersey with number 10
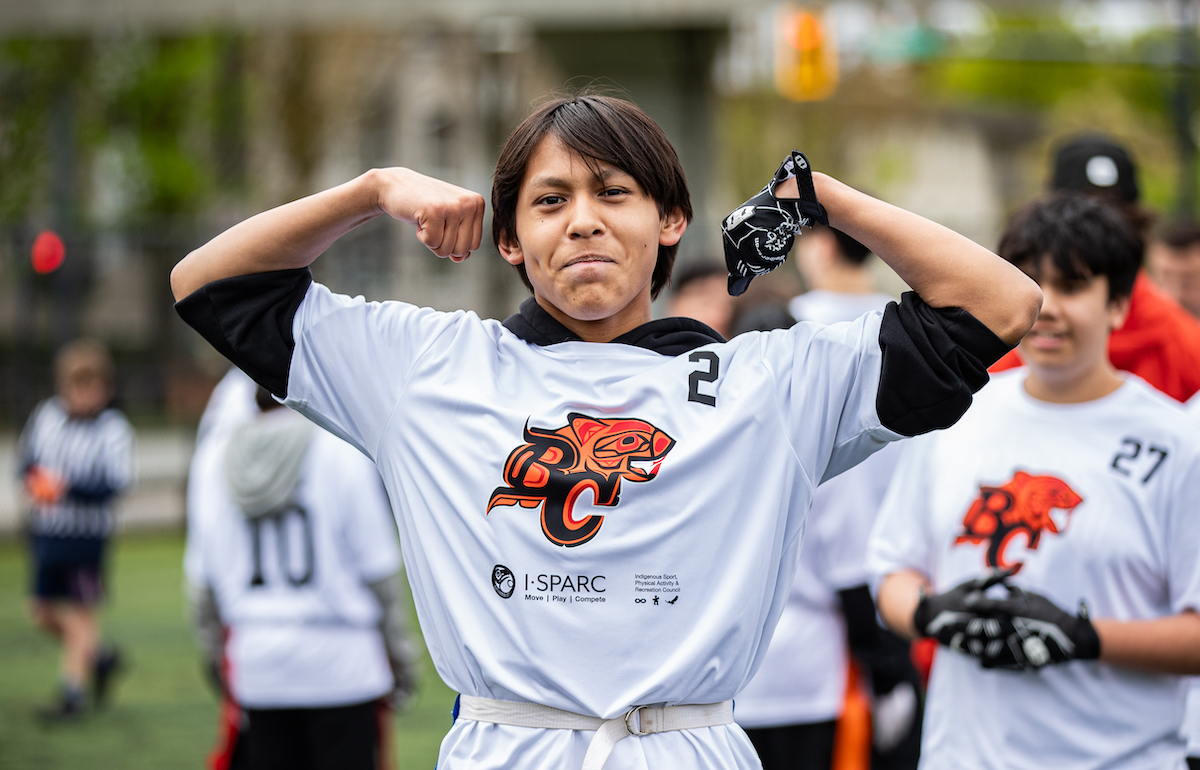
<point x="291" y="586"/>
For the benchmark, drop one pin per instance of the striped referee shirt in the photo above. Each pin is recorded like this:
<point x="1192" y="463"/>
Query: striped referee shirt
<point x="93" y="455"/>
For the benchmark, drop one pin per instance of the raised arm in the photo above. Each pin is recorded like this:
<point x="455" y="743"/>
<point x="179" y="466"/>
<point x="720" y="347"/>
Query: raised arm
<point x="946" y="269"/>
<point x="449" y="220"/>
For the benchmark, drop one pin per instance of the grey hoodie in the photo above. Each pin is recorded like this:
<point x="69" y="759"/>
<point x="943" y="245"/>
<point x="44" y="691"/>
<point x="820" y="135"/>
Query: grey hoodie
<point x="263" y="459"/>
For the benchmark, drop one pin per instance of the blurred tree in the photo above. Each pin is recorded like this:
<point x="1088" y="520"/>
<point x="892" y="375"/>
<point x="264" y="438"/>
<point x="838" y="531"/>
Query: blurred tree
<point x="132" y="135"/>
<point x="1039" y="64"/>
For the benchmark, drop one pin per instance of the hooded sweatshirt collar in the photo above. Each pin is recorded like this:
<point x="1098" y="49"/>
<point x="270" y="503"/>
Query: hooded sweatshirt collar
<point x="666" y="336"/>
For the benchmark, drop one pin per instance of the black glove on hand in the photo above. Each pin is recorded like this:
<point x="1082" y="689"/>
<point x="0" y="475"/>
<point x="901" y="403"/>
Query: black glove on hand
<point x="961" y="618"/>
<point x="1038" y="632"/>
<point x="759" y="234"/>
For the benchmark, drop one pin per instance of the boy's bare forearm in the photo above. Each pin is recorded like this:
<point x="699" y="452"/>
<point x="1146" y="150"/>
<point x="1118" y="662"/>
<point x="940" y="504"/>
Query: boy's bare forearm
<point x="945" y="268"/>
<point x="449" y="221"/>
<point x="1168" y="645"/>
<point x="899" y="594"/>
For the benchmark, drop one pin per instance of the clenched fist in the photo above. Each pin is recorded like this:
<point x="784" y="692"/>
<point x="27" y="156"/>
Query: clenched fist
<point x="448" y="218"/>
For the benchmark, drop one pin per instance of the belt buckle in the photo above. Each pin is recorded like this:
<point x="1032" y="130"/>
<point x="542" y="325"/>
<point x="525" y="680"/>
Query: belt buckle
<point x="631" y="712"/>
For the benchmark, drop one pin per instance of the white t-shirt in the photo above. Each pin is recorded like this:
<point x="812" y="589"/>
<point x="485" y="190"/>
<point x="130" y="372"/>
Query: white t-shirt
<point x="803" y="675"/>
<point x="656" y="596"/>
<point x="1096" y="501"/>
<point x="303" y="626"/>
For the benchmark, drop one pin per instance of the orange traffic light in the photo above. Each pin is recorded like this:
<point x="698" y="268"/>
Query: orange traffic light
<point x="805" y="56"/>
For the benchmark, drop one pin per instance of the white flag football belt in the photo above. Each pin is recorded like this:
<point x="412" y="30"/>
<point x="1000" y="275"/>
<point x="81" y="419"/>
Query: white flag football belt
<point x="639" y="720"/>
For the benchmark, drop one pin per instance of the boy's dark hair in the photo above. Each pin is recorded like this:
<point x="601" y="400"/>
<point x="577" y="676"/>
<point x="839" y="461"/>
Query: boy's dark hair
<point x="1081" y="235"/>
<point x="851" y="250"/>
<point x="598" y="128"/>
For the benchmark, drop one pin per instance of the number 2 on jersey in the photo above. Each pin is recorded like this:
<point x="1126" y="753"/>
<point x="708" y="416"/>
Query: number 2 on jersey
<point x="703" y="375"/>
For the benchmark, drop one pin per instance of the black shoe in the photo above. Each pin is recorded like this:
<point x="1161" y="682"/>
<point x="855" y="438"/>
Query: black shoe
<point x="108" y="663"/>
<point x="66" y="709"/>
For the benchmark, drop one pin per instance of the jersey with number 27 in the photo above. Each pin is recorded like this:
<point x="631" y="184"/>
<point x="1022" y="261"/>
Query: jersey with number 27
<point x="1091" y="502"/>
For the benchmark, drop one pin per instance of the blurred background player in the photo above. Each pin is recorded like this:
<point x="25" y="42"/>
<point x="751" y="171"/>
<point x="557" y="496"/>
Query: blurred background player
<point x="231" y="404"/>
<point x="293" y="562"/>
<point x="840" y="286"/>
<point x="1173" y="258"/>
<point x="1079" y="483"/>
<point x="698" y="292"/>
<point x="792" y="707"/>
<point x="1160" y="341"/>
<point x="76" y="456"/>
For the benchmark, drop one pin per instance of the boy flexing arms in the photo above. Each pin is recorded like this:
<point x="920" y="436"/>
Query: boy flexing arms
<point x="568" y="626"/>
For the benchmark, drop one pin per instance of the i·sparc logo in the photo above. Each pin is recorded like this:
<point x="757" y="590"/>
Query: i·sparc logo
<point x="503" y="581"/>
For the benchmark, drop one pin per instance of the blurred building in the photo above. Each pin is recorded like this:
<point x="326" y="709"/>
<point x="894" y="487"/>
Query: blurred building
<point x="269" y="101"/>
<point x="137" y="129"/>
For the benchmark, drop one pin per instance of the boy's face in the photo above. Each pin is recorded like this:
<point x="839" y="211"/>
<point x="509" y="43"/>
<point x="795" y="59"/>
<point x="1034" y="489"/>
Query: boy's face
<point x="84" y="396"/>
<point x="1177" y="271"/>
<point x="589" y="245"/>
<point x="1070" y="337"/>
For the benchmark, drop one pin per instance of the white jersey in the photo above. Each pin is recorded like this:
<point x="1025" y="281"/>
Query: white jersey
<point x="1095" y="501"/>
<point x="1191" y="719"/>
<point x="587" y="526"/>
<point x="804" y="672"/>
<point x="230" y="405"/>
<point x="506" y="461"/>
<point x="303" y="626"/>
<point x="93" y="456"/>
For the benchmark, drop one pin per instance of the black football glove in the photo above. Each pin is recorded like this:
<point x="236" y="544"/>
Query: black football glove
<point x="961" y="618"/>
<point x="759" y="233"/>
<point x="1039" y="633"/>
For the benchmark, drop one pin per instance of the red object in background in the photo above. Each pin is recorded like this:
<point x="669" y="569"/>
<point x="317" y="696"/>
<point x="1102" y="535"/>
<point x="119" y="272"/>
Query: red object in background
<point x="922" y="653"/>
<point x="48" y="252"/>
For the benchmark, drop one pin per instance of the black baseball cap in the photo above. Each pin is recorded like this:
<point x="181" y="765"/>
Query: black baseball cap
<point x="1096" y="164"/>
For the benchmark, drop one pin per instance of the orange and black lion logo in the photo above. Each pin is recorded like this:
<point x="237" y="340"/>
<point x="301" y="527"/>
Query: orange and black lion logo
<point x="1023" y="506"/>
<point x="555" y="466"/>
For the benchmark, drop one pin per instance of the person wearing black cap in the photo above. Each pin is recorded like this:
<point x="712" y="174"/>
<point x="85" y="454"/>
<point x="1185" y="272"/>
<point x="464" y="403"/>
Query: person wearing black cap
<point x="1095" y="164"/>
<point x="1160" y="341"/>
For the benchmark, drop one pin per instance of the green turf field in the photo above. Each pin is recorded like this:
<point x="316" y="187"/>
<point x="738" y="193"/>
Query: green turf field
<point x="163" y="715"/>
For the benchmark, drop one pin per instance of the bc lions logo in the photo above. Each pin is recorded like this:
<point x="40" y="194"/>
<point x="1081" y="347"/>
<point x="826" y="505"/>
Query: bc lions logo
<point x="556" y="466"/>
<point x="1021" y="507"/>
